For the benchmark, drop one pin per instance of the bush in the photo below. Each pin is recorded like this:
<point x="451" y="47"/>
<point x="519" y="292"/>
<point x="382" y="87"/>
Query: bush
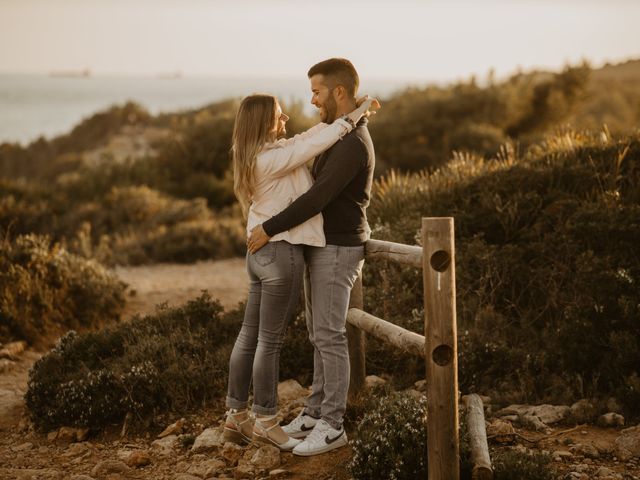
<point x="387" y="434"/>
<point x="382" y="438"/>
<point x="45" y="291"/>
<point x="515" y="465"/>
<point x="547" y="296"/>
<point x="172" y="361"/>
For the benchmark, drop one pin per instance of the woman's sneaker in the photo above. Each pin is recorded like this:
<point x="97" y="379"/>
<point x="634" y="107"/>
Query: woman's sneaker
<point x="300" y="426"/>
<point x="322" y="438"/>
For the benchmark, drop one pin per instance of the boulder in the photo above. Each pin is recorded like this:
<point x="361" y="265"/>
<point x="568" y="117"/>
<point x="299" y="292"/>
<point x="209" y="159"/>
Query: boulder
<point x="109" y="467"/>
<point x="501" y="431"/>
<point x="548" y="414"/>
<point x="138" y="458"/>
<point x="208" y="468"/>
<point x="231" y="453"/>
<point x="210" y="439"/>
<point x="373" y="381"/>
<point x="611" y="419"/>
<point x="582" y="411"/>
<point x="165" y="446"/>
<point x="627" y="445"/>
<point x="291" y="390"/>
<point x="173" y="429"/>
<point x="266" y="457"/>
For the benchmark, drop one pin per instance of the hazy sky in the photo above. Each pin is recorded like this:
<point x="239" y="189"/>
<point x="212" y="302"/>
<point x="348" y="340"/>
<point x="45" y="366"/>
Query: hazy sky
<point x="429" y="39"/>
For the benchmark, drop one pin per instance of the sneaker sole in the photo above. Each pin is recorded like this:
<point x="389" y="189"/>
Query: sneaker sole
<point x="341" y="442"/>
<point x="299" y="435"/>
<point x="268" y="441"/>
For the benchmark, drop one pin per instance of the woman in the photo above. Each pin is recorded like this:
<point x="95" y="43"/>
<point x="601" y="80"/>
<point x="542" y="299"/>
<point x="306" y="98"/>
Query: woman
<point x="269" y="174"/>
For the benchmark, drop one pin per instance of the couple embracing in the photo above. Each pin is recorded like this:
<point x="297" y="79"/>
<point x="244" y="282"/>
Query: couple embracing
<point x="306" y="228"/>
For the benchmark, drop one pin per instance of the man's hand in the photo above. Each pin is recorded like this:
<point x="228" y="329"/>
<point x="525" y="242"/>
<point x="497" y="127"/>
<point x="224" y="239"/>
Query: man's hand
<point x="258" y="238"/>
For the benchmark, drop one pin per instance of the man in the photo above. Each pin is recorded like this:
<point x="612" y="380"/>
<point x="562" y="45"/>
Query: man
<point x="342" y="184"/>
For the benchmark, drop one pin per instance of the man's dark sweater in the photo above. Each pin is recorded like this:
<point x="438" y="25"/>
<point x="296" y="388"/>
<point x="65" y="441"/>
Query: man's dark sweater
<point x="341" y="190"/>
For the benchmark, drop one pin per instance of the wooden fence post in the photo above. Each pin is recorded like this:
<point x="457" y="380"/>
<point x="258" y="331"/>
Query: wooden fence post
<point x="441" y="351"/>
<point x="356" y="338"/>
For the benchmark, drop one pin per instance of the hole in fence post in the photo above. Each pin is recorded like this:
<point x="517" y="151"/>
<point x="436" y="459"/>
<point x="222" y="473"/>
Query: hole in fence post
<point x="440" y="261"/>
<point x="442" y="355"/>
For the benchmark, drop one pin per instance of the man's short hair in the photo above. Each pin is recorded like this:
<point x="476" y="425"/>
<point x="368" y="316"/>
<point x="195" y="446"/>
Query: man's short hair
<point x="341" y="71"/>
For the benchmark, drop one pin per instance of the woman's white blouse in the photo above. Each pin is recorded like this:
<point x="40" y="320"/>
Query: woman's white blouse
<point x="281" y="176"/>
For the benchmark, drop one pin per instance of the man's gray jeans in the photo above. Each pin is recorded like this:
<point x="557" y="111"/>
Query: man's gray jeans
<point x="330" y="274"/>
<point x="275" y="273"/>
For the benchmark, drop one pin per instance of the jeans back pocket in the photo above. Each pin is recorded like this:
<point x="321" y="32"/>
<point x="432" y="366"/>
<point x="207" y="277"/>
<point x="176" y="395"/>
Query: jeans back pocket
<point x="266" y="255"/>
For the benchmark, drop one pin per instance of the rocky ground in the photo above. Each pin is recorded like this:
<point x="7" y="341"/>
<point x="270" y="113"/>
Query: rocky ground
<point x="192" y="448"/>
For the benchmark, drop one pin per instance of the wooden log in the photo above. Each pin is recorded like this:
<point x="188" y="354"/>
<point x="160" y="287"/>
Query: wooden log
<point x="357" y="346"/>
<point x="443" y="447"/>
<point x="480" y="459"/>
<point x="388" y="332"/>
<point x="396" y="252"/>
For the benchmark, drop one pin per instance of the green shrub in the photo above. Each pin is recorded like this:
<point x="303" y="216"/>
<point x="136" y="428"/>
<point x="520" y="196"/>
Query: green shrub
<point x="172" y="361"/>
<point x="382" y="438"/>
<point x="515" y="465"/>
<point x="391" y="439"/>
<point x="45" y="291"/>
<point x="547" y="296"/>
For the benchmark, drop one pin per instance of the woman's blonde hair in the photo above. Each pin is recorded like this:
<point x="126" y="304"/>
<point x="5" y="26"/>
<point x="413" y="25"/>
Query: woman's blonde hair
<point x="253" y="128"/>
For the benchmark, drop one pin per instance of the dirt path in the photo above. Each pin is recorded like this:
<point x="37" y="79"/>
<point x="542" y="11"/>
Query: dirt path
<point x="151" y="285"/>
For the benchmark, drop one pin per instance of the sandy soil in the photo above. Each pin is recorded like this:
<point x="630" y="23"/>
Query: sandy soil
<point x="150" y="285"/>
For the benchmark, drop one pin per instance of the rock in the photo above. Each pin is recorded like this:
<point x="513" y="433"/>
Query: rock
<point x="81" y="477"/>
<point x="501" y="431"/>
<point x="266" y="458"/>
<point x="32" y="473"/>
<point x="291" y="390"/>
<point x="22" y="447"/>
<point x="548" y="414"/>
<point x="108" y="467"/>
<point x="186" y="476"/>
<point x="582" y="411"/>
<point x="208" y="440"/>
<point x="70" y="435"/>
<point x="13" y="349"/>
<point x="76" y="450"/>
<point x="627" y="445"/>
<point x="277" y="472"/>
<point x="580" y="468"/>
<point x="138" y="458"/>
<point x="208" y="468"/>
<point x="604" y="472"/>
<point x="611" y="419"/>
<point x="231" y="453"/>
<point x="165" y="446"/>
<point x="533" y="422"/>
<point x="244" y="471"/>
<point x="421" y="385"/>
<point x="373" y="381"/>
<point x="173" y="429"/>
<point x="586" y="450"/>
<point x="560" y="455"/>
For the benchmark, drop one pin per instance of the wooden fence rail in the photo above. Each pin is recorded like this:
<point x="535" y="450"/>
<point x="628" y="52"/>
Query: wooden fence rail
<point x="438" y="346"/>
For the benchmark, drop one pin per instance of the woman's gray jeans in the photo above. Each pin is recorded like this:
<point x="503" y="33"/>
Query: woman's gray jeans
<point x="275" y="273"/>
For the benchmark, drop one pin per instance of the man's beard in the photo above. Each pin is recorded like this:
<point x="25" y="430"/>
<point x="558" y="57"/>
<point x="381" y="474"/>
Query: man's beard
<point x="329" y="109"/>
<point x="282" y="133"/>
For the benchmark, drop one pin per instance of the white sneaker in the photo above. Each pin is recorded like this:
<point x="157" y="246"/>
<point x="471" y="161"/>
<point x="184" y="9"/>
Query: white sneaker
<point x="300" y="426"/>
<point x="322" y="438"/>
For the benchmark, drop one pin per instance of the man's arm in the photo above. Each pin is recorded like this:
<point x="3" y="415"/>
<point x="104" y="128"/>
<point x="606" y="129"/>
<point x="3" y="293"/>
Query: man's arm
<point x="343" y="165"/>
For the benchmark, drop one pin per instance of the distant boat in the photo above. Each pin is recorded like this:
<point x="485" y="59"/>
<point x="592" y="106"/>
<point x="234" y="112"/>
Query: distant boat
<point x="86" y="73"/>
<point x="170" y="75"/>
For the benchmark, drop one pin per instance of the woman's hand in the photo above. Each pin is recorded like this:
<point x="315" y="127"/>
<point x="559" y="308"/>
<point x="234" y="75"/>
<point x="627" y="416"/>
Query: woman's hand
<point x="366" y="107"/>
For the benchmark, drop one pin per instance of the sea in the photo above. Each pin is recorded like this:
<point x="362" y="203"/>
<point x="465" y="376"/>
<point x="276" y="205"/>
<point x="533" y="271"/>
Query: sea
<point x="34" y="106"/>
